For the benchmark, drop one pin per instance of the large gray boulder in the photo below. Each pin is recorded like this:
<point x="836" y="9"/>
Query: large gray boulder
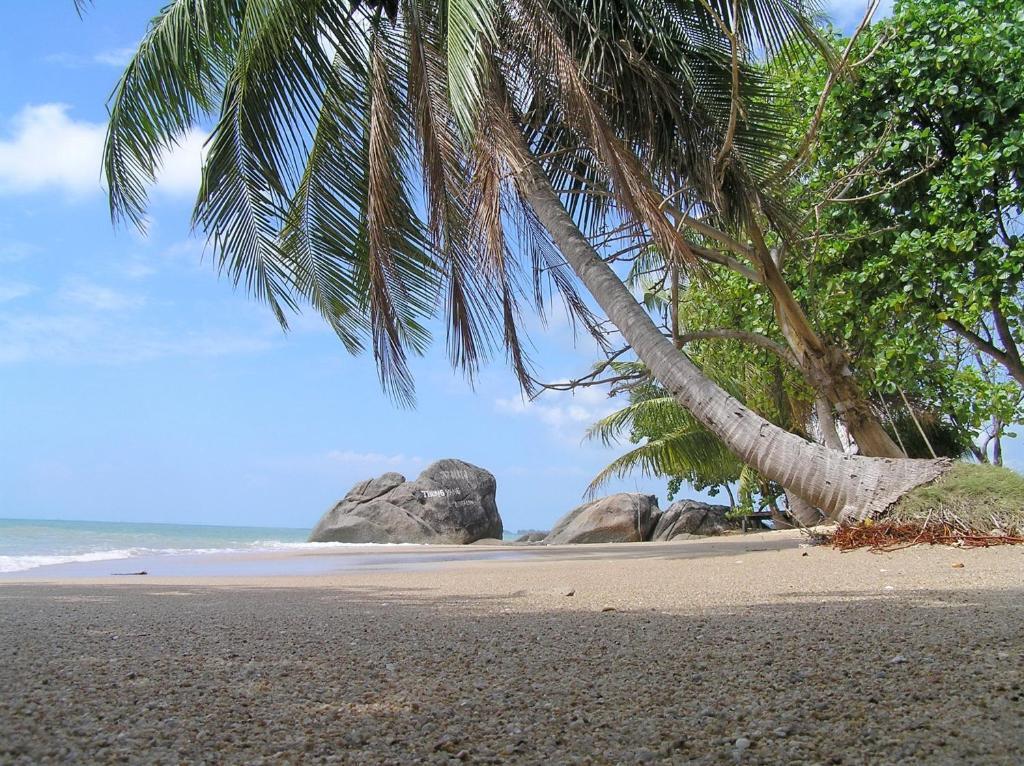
<point x="450" y="502"/>
<point x="689" y="517"/>
<point x="621" y="518"/>
<point x="532" y="536"/>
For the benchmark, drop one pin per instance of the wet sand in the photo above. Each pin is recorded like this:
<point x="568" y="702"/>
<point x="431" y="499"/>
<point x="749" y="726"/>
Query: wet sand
<point x="747" y="649"/>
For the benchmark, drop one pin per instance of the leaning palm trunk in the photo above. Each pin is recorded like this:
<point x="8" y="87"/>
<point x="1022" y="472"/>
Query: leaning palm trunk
<point x="845" y="487"/>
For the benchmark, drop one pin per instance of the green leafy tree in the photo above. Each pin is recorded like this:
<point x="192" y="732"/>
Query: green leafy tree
<point x="916" y="196"/>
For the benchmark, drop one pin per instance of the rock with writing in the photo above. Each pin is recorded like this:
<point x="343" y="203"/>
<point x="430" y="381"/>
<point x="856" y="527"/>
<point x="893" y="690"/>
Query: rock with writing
<point x="621" y="518"/>
<point x="450" y="502"/>
<point x="689" y="517"/>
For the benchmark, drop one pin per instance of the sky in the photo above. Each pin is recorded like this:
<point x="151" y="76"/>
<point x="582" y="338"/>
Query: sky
<point x="136" y="385"/>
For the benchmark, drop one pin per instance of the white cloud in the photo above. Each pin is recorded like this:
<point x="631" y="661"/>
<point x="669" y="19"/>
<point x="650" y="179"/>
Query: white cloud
<point x="350" y="457"/>
<point x="350" y="464"/>
<point x="569" y="418"/>
<point x="113" y="57"/>
<point x="99" y="338"/>
<point x="94" y="297"/>
<point x="47" y="149"/>
<point x="182" y="168"/>
<point x="10" y="291"/>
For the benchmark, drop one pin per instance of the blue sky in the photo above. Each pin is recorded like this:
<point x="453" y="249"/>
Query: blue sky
<point x="136" y="385"/>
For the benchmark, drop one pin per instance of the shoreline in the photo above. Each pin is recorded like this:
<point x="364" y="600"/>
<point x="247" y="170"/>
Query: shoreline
<point x="726" y="651"/>
<point x="312" y="562"/>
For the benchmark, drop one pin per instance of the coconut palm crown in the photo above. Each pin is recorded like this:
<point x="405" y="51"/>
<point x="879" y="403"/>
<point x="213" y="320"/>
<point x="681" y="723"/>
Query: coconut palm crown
<point x="352" y="167"/>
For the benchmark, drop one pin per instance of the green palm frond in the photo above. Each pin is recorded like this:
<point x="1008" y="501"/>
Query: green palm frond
<point x="674" y="443"/>
<point x="470" y="36"/>
<point x="664" y="410"/>
<point x="322" y="238"/>
<point x="446" y="186"/>
<point x="176" y="76"/>
<point x="688" y="452"/>
<point x="397" y="271"/>
<point x="271" y="101"/>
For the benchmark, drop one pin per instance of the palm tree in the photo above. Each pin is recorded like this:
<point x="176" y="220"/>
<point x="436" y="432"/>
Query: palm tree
<point x="670" y="443"/>
<point x="324" y="108"/>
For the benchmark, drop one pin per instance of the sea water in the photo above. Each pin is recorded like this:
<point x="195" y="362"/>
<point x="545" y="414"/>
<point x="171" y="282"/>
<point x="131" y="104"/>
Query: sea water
<point x="30" y="543"/>
<point x="27" y="544"/>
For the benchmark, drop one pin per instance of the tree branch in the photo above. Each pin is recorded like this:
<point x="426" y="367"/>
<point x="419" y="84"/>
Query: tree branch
<point x="1005" y="334"/>
<point x="752" y="338"/>
<point x="733" y="264"/>
<point x="833" y="78"/>
<point x="593" y="378"/>
<point x="1015" y="368"/>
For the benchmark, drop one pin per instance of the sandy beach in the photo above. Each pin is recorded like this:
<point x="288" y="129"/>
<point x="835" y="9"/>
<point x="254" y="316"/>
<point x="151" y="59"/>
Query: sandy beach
<point x="749" y="649"/>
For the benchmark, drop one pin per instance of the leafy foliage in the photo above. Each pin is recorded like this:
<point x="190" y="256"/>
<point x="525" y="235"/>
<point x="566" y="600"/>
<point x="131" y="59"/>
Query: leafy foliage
<point x="915" y="196"/>
<point x="672" y="443"/>
<point x="910" y="202"/>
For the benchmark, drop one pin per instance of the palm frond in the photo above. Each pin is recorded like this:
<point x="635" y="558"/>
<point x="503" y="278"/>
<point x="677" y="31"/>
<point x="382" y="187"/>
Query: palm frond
<point x="470" y="34"/>
<point x="610" y="428"/>
<point x="686" y="452"/>
<point x="394" y="239"/>
<point x="176" y="75"/>
<point x="548" y="268"/>
<point x="470" y="309"/>
<point x="270" y="105"/>
<point x="323" y="234"/>
<point x="557" y="70"/>
<point x="661" y="72"/>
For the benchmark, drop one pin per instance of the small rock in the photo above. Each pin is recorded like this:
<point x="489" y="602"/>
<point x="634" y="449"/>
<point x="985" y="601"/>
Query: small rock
<point x="608" y="609"/>
<point x="958" y="565"/>
<point x="781" y="732"/>
<point x="569" y="592"/>
<point x="742" y="743"/>
<point x="805" y="553"/>
<point x="899" y="659"/>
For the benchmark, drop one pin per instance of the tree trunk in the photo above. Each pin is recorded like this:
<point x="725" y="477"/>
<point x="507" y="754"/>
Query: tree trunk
<point x="827" y="424"/>
<point x="805" y="514"/>
<point x="825" y="365"/>
<point x="845" y="487"/>
<point x="674" y="301"/>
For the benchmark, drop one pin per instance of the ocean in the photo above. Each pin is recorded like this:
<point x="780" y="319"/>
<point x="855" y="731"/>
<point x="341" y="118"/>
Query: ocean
<point x="30" y="543"/>
<point x="27" y="544"/>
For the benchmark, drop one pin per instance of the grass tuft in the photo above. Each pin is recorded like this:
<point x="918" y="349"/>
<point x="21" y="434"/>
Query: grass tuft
<point x="968" y="499"/>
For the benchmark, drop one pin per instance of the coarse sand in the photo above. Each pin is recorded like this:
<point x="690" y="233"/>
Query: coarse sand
<point x="748" y="650"/>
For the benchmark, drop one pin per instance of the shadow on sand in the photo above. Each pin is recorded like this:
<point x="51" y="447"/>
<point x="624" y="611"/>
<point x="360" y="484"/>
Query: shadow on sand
<point x="170" y="674"/>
